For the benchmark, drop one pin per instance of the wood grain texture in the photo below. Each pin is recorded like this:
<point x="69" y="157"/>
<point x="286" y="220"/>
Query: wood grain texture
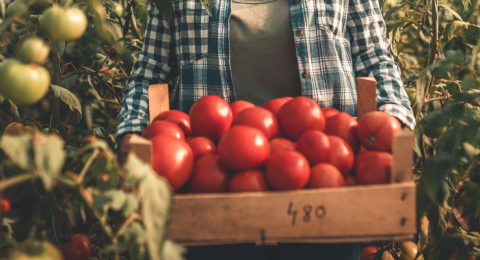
<point x="158" y="99"/>
<point x="360" y="213"/>
<point x="141" y="147"/>
<point x="402" y="150"/>
<point x="366" y="95"/>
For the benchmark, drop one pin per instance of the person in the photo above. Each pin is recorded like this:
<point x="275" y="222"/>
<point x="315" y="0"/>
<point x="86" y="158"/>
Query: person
<point x="258" y="50"/>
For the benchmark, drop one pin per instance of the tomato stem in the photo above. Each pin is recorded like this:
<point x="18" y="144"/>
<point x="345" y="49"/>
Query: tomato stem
<point x="57" y="80"/>
<point x="16" y="180"/>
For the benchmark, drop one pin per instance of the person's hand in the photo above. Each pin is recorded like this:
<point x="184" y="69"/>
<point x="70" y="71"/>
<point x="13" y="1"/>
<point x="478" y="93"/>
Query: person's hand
<point x="123" y="148"/>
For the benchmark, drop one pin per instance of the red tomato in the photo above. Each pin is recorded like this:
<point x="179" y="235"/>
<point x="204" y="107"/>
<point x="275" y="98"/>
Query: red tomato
<point x="366" y="251"/>
<point x="299" y="115"/>
<point x="4" y="206"/>
<point x="350" y="180"/>
<point x="287" y="170"/>
<point x="373" y="167"/>
<point x="279" y="143"/>
<point x="249" y="180"/>
<point x="275" y="104"/>
<point x="375" y="130"/>
<point x="243" y="147"/>
<point x="329" y="111"/>
<point x="211" y="117"/>
<point x="163" y="128"/>
<point x="316" y="147"/>
<point x="201" y="146"/>
<point x="259" y="118"/>
<point x="342" y="155"/>
<point x="79" y="248"/>
<point x="173" y="159"/>
<point x="344" y="126"/>
<point x="209" y="175"/>
<point x="177" y="117"/>
<point x="239" y="106"/>
<point x="325" y="175"/>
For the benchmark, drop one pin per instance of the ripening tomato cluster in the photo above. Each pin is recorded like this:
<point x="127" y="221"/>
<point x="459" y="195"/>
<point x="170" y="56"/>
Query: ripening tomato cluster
<point x="288" y="144"/>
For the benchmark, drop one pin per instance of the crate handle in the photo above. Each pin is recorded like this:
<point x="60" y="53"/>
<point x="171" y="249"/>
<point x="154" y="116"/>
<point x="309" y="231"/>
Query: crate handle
<point x="366" y="95"/>
<point x="158" y="100"/>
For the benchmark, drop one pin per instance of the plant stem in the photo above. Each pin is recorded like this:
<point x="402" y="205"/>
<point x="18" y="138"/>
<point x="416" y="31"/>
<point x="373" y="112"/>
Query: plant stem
<point x="33" y="121"/>
<point x="57" y="212"/>
<point x="17" y="16"/>
<point x="57" y="80"/>
<point x="434" y="99"/>
<point x="12" y="181"/>
<point x="99" y="77"/>
<point x="134" y="25"/>
<point x="106" y="58"/>
<point x="87" y="165"/>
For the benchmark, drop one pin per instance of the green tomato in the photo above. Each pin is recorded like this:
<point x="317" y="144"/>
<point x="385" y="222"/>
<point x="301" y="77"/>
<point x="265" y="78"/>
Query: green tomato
<point x="38" y="251"/>
<point x="434" y="132"/>
<point x="409" y="251"/>
<point x="41" y="4"/>
<point x="411" y="94"/>
<point x="118" y="8"/>
<point x="23" y="83"/>
<point x="14" y="7"/>
<point x="64" y="24"/>
<point x="35" y="50"/>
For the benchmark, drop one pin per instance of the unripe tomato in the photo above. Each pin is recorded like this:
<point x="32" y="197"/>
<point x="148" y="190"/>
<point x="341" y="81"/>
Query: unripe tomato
<point x="434" y="132"/>
<point x="299" y="115"/>
<point x="177" y="117"/>
<point x="325" y="175"/>
<point x="35" y="50"/>
<point x="239" y="106"/>
<point x="411" y="94"/>
<point x="44" y="250"/>
<point x="41" y="4"/>
<point x="279" y="143"/>
<point x="366" y="251"/>
<point x="118" y="8"/>
<point x="344" y="126"/>
<point x="16" y="129"/>
<point x="409" y="251"/>
<point x="287" y="170"/>
<point x="209" y="175"/>
<point x="64" y="24"/>
<point x="163" y="128"/>
<point x="248" y="181"/>
<point x="172" y="158"/>
<point x="375" y="130"/>
<point x="373" y="167"/>
<point x="79" y="248"/>
<point x="342" y="155"/>
<point x="14" y="7"/>
<point x="211" y="117"/>
<point x="23" y="83"/>
<point x="328" y="112"/>
<point x="243" y="147"/>
<point x="316" y="147"/>
<point x="260" y="118"/>
<point x="4" y="206"/>
<point x="275" y="104"/>
<point x="201" y="146"/>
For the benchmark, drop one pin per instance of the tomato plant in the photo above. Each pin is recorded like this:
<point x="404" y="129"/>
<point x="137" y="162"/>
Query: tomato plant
<point x="64" y="24"/>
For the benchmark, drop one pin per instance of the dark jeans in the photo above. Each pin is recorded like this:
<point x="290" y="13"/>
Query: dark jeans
<point x="280" y="252"/>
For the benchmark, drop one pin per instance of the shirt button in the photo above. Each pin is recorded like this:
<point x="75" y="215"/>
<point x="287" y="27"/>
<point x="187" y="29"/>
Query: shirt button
<point x="295" y="2"/>
<point x="300" y="32"/>
<point x="305" y="74"/>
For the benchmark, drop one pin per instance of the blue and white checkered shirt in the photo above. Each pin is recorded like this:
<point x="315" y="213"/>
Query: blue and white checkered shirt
<point x="341" y="40"/>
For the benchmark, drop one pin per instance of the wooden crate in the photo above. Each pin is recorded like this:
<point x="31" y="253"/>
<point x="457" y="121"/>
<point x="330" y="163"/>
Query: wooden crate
<point x="335" y="215"/>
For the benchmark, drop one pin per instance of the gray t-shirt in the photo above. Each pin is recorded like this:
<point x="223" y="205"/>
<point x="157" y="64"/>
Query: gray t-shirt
<point x="263" y="59"/>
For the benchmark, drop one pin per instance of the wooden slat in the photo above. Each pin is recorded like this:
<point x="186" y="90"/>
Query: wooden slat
<point x="141" y="147"/>
<point x="402" y="149"/>
<point x="158" y="99"/>
<point x="366" y="95"/>
<point x="340" y="214"/>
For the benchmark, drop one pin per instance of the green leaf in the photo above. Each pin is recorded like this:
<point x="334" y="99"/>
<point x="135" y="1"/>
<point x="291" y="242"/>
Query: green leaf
<point x="207" y="4"/>
<point x="171" y="251"/>
<point x="136" y="170"/>
<point x="105" y="172"/>
<point x="457" y="56"/>
<point x="421" y="85"/>
<point x="127" y="59"/>
<point x="165" y="7"/>
<point x="449" y="10"/>
<point x="452" y="30"/>
<point x="110" y="199"/>
<point x="68" y="98"/>
<point x="155" y="194"/>
<point x="457" y="238"/>
<point x="381" y="3"/>
<point x="453" y="88"/>
<point x="141" y="13"/>
<point x="436" y="173"/>
<point x="49" y="158"/>
<point x="441" y="67"/>
<point x="134" y="237"/>
<point x="396" y="8"/>
<point x="469" y="81"/>
<point x="59" y="48"/>
<point x="465" y="4"/>
<point x="19" y="150"/>
<point x="130" y="206"/>
<point x="434" y="120"/>
<point x="395" y="36"/>
<point x="22" y="31"/>
<point x="471" y="98"/>
<point x="471" y="34"/>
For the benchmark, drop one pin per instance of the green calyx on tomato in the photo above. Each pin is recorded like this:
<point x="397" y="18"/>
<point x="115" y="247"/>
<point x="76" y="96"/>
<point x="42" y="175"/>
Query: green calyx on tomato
<point x="23" y="83"/>
<point x="14" y="7"/>
<point x="35" y="50"/>
<point x="37" y="250"/>
<point x="64" y="24"/>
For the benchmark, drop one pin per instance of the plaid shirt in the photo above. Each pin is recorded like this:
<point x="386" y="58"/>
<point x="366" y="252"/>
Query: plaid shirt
<point x="341" y="40"/>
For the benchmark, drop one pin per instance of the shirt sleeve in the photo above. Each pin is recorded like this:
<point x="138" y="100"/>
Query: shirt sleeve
<point x="156" y="64"/>
<point x="371" y="57"/>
